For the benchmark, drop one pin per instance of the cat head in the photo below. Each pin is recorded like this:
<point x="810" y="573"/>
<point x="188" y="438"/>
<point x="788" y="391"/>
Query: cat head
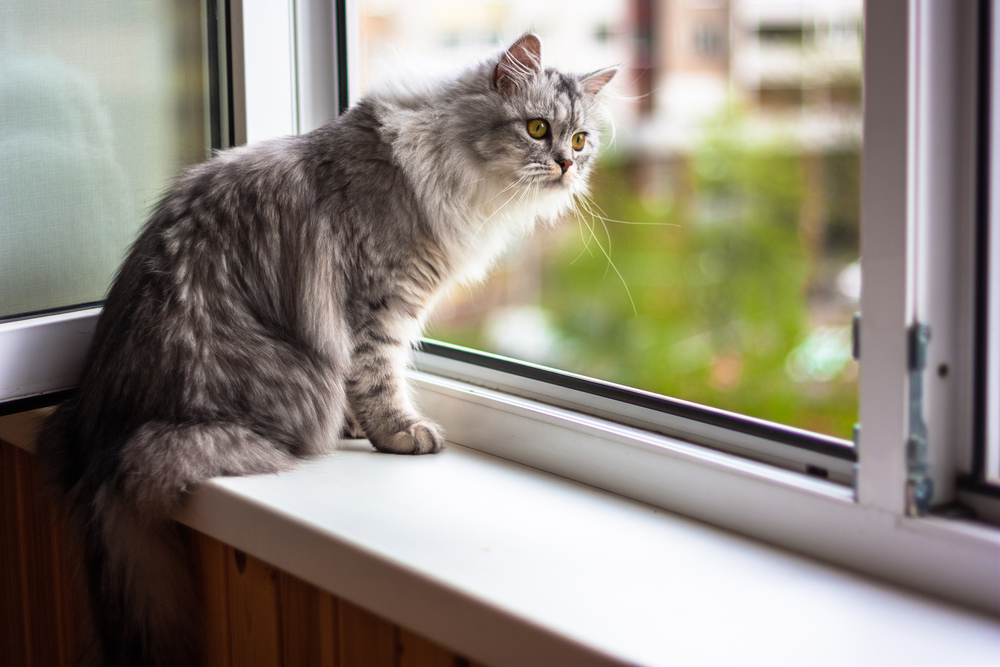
<point x="545" y="130"/>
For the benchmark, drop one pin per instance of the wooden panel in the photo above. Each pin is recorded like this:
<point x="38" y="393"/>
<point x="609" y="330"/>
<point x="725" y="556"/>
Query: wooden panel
<point x="41" y="588"/>
<point x="365" y="639"/>
<point x="415" y="651"/>
<point x="39" y="574"/>
<point x="254" y="624"/>
<point x="13" y="633"/>
<point x="70" y="589"/>
<point x="21" y="429"/>
<point x="308" y="624"/>
<point x="212" y="581"/>
<point x="254" y="615"/>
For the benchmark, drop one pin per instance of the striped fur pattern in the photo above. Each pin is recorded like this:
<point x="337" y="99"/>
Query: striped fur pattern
<point x="271" y="301"/>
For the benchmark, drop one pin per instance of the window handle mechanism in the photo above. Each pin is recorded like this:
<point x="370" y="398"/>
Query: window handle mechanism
<point x="919" y="485"/>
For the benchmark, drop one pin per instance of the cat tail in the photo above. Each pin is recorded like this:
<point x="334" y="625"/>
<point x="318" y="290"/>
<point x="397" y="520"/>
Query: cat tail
<point x="143" y="604"/>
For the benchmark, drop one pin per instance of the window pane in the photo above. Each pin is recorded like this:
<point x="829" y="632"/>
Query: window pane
<point x="718" y="259"/>
<point x="101" y="102"/>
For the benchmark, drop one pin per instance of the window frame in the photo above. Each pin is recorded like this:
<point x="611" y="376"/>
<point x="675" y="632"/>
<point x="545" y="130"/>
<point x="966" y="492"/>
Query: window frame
<point x="984" y="467"/>
<point x="787" y="447"/>
<point x="864" y="527"/>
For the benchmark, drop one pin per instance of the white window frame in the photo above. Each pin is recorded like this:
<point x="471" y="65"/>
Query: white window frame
<point x="916" y="231"/>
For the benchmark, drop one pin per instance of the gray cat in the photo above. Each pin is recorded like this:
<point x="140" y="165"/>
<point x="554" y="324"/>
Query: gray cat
<point x="271" y="302"/>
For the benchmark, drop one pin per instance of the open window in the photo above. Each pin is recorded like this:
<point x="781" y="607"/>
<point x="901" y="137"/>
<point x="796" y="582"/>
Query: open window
<point x="711" y="277"/>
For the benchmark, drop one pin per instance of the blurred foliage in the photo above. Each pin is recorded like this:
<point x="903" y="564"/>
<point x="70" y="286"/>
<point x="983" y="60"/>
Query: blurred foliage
<point x="720" y="280"/>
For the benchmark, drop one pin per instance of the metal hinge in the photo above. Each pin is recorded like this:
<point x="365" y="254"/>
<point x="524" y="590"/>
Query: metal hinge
<point x="919" y="486"/>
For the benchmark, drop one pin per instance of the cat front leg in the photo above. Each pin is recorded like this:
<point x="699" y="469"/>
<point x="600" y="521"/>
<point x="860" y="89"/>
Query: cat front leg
<point x="379" y="395"/>
<point x="352" y="429"/>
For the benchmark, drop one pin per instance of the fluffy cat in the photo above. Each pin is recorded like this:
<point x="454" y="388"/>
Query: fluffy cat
<point x="272" y="299"/>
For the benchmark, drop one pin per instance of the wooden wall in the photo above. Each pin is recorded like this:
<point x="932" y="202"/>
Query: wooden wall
<point x="255" y="615"/>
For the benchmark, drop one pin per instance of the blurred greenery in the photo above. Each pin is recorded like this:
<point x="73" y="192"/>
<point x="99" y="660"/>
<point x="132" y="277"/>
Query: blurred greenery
<point x="723" y="280"/>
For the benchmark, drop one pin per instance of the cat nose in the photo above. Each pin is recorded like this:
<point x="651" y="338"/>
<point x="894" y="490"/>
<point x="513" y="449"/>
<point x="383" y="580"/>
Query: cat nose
<point x="565" y="164"/>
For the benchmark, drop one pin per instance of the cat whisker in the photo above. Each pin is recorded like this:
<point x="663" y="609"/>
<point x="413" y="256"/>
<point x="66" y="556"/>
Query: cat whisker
<point x="535" y="200"/>
<point x="524" y="193"/>
<point x="511" y="185"/>
<point x="534" y="197"/>
<point x="627" y="222"/>
<point x="583" y="237"/>
<point x="592" y="202"/>
<point x="499" y="208"/>
<point x="478" y="180"/>
<point x="587" y="241"/>
<point x="594" y="217"/>
<point x="611" y="264"/>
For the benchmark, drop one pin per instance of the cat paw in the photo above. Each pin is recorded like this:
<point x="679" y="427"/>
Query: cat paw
<point x="422" y="437"/>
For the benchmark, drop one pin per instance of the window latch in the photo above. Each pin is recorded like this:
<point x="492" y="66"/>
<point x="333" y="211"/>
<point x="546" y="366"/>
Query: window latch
<point x="919" y="485"/>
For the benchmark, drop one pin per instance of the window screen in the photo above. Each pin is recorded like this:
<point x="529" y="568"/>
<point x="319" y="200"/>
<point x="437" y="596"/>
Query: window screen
<point x="101" y="102"/>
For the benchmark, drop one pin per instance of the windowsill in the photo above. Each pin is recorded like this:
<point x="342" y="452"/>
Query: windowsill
<point x="512" y="566"/>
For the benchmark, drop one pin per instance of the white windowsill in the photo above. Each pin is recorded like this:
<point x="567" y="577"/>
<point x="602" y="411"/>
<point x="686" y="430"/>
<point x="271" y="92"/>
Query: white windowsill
<point x="512" y="566"/>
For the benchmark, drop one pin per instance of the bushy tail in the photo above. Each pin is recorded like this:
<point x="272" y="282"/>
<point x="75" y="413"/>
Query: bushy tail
<point x="141" y="596"/>
<point x="142" y="599"/>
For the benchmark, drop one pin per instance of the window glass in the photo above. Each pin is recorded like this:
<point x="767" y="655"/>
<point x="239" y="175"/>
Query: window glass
<point x="101" y="102"/>
<point x="718" y="259"/>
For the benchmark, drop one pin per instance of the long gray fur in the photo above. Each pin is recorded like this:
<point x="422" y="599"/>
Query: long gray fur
<point x="274" y="294"/>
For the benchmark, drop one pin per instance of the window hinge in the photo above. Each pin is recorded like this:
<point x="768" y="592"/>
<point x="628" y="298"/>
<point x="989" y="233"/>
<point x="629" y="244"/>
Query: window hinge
<point x="919" y="486"/>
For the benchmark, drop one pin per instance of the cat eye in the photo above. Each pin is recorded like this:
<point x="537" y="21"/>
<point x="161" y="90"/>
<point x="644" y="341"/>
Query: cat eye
<point x="538" y="128"/>
<point x="579" y="139"/>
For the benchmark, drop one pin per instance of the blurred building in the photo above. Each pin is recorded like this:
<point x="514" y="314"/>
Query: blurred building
<point x="580" y="36"/>
<point x="794" y="67"/>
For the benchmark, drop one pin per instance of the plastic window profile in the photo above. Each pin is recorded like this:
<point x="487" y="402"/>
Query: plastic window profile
<point x="981" y="486"/>
<point x="786" y="447"/>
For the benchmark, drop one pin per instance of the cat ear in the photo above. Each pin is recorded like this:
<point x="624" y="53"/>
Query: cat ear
<point x="595" y="81"/>
<point x="519" y="64"/>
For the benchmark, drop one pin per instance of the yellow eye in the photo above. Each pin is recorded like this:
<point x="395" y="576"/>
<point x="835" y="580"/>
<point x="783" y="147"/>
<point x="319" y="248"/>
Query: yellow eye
<point x="538" y="128"/>
<point x="579" y="139"/>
